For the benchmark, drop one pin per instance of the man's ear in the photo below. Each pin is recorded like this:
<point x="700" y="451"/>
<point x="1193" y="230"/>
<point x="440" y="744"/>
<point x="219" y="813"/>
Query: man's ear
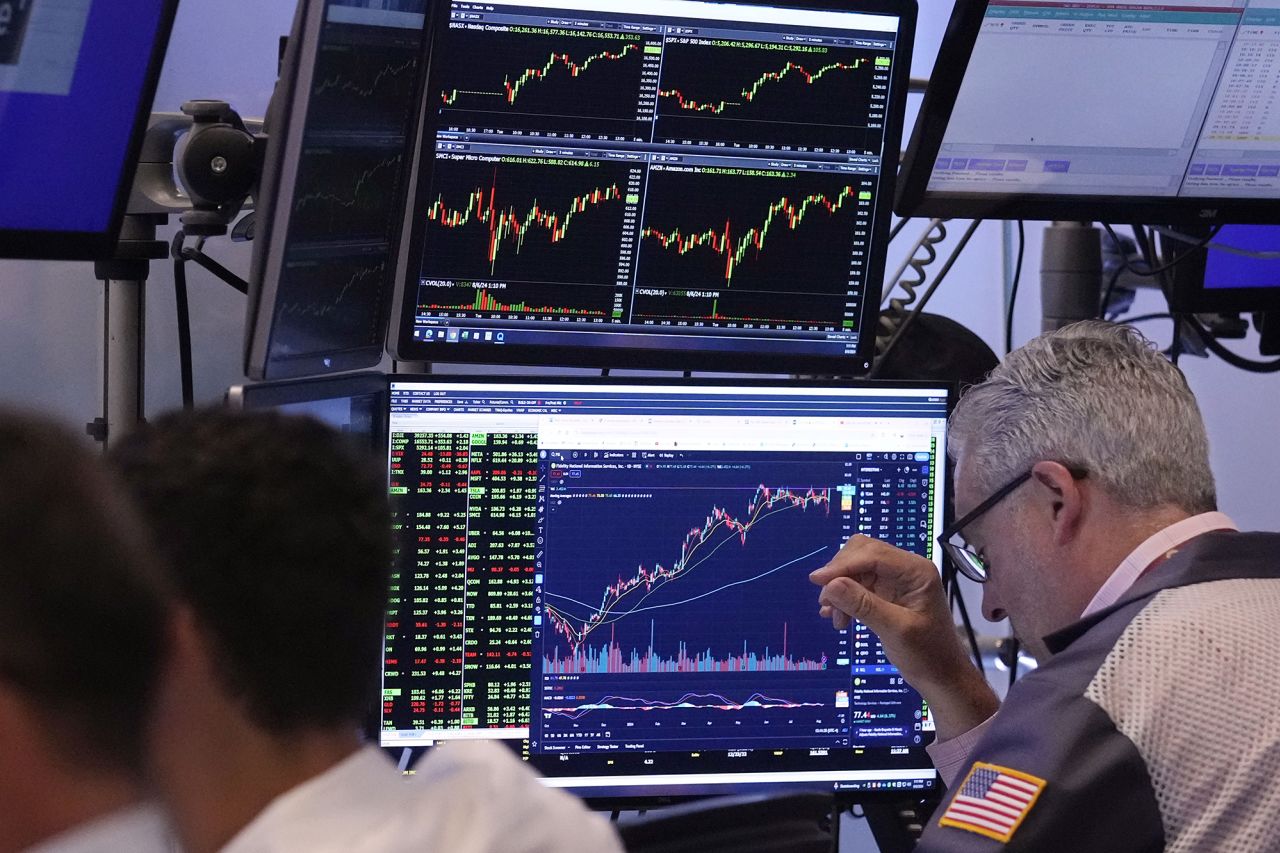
<point x="1061" y="497"/>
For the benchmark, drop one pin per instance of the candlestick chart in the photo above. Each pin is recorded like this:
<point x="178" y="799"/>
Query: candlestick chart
<point x="684" y="597"/>
<point x="544" y="75"/>
<point x="524" y="237"/>
<point x="810" y="97"/>
<point x="652" y="596"/>
<point x="766" y="249"/>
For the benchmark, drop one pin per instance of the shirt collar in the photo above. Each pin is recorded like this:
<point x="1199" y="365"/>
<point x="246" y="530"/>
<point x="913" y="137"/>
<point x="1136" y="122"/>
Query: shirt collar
<point x="1154" y="548"/>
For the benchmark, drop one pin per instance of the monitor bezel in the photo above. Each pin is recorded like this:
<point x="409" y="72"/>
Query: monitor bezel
<point x="286" y="131"/>
<point x="660" y="798"/>
<point x="657" y="354"/>
<point x="914" y="198"/>
<point x="58" y="245"/>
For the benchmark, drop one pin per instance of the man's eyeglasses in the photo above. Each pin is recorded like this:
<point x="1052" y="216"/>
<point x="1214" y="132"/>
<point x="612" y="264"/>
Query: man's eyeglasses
<point x="968" y="561"/>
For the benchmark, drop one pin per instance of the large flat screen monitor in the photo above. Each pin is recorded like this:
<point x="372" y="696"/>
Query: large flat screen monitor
<point x="76" y="82"/>
<point x="334" y="182"/>
<point x="679" y="183"/>
<point x="1127" y="111"/>
<point x="613" y="577"/>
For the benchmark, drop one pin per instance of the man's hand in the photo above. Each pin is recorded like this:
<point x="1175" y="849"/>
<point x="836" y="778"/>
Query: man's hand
<point x="898" y="595"/>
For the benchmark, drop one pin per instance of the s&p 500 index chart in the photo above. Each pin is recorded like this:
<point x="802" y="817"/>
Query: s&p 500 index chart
<point x="674" y="608"/>
<point x="749" y="92"/>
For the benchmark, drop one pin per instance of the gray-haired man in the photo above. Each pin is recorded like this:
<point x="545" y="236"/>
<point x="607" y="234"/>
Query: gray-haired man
<point x="1086" y="507"/>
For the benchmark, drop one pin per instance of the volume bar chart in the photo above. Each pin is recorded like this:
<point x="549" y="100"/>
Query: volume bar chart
<point x="611" y="659"/>
<point x="486" y="302"/>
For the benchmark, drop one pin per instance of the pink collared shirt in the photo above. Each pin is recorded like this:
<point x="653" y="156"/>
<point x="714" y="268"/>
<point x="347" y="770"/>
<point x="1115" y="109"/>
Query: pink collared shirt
<point x="951" y="757"/>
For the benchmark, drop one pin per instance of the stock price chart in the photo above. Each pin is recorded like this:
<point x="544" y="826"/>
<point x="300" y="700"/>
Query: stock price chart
<point x="528" y="237"/>
<point x="676" y="613"/>
<point x="802" y="97"/>
<point x="366" y="81"/>
<point x="753" y="248"/>
<point x="543" y="78"/>
<point x="327" y="298"/>
<point x="347" y="192"/>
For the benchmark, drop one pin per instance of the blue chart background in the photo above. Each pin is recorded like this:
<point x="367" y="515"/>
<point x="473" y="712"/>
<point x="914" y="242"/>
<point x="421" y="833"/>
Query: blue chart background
<point x="593" y="541"/>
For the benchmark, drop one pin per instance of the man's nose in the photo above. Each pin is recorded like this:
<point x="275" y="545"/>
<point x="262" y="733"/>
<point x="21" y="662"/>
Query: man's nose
<point x="991" y="606"/>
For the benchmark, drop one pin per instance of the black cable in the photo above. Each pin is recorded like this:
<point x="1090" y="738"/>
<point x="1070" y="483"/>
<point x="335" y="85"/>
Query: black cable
<point x="216" y="268"/>
<point x="1142" y="318"/>
<point x="184" y="319"/>
<point x="1142" y="241"/>
<point x="1109" y="290"/>
<point x="924" y="300"/>
<point x="1211" y="343"/>
<point x="1175" y="348"/>
<point x="897" y="229"/>
<point x="1013" y="663"/>
<point x="1013" y="291"/>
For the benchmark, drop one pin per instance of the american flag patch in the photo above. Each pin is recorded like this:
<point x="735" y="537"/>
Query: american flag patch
<point x="992" y="801"/>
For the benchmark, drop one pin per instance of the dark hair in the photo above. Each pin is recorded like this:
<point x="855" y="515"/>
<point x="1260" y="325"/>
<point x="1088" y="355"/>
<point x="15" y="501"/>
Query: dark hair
<point x="278" y="537"/>
<point x="81" y="606"/>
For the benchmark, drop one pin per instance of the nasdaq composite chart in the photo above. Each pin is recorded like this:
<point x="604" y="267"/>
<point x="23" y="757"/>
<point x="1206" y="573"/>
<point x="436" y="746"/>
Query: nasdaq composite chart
<point x="338" y="264"/>
<point x="690" y="623"/>
<point x="597" y="172"/>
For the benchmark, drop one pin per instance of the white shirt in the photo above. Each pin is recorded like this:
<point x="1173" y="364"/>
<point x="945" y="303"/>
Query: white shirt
<point x="951" y="757"/>
<point x="471" y="797"/>
<point x="142" y="829"/>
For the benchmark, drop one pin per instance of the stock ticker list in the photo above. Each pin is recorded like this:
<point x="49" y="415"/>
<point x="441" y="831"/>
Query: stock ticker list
<point x="458" y="641"/>
<point x="895" y="499"/>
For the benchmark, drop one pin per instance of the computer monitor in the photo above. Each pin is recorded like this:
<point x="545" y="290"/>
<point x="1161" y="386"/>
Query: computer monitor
<point x="1126" y="111"/>
<point x="1225" y="277"/>
<point x="340" y="132"/>
<point x="76" y="83"/>
<point x="675" y="184"/>
<point x="613" y="577"/>
<point x="354" y="404"/>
